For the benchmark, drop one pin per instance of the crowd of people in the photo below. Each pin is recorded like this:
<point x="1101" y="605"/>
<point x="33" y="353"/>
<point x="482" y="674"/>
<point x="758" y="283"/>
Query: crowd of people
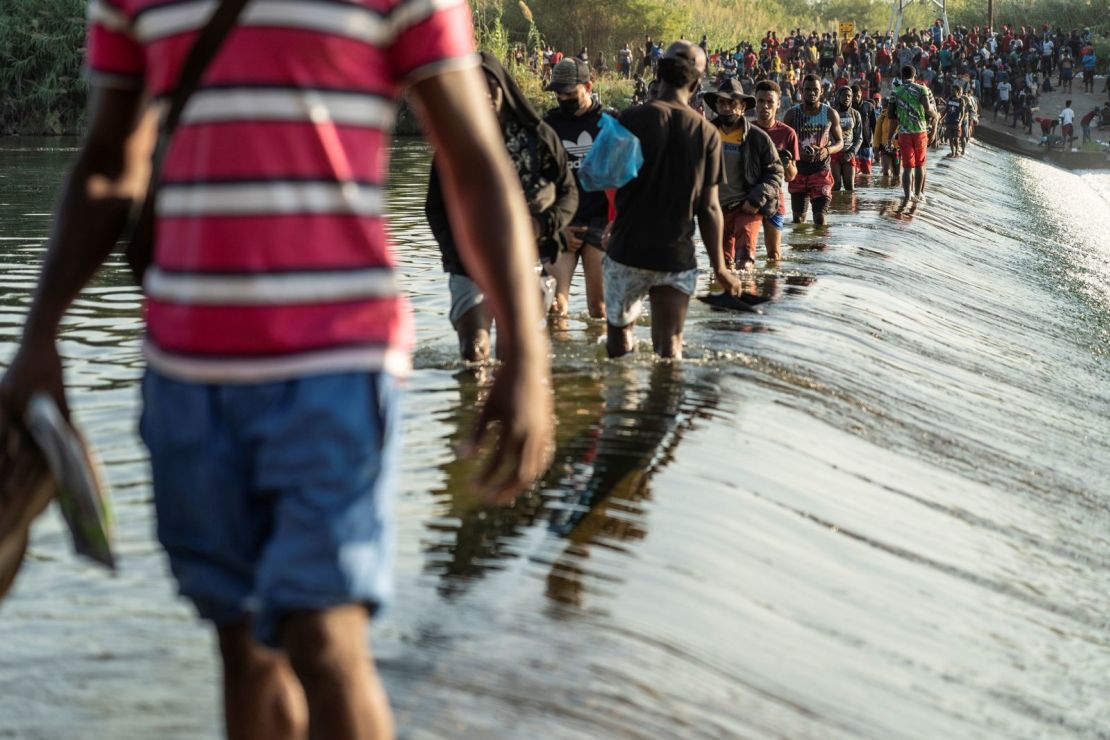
<point x="275" y="330"/>
<point x="795" y="120"/>
<point x="1005" y="70"/>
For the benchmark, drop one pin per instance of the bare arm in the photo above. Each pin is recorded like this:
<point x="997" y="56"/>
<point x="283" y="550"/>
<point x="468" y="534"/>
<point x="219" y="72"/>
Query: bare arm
<point x="790" y="170"/>
<point x="494" y="234"/>
<point x="110" y="172"/>
<point x="711" y="224"/>
<point x="836" y="135"/>
<point x="857" y="133"/>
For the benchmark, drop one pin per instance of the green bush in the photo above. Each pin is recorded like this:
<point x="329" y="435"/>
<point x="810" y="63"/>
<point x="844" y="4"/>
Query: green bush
<point x="42" y="89"/>
<point x="1102" y="51"/>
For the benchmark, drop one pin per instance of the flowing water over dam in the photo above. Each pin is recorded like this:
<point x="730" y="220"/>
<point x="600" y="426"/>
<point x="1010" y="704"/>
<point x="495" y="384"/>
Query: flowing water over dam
<point x="880" y="509"/>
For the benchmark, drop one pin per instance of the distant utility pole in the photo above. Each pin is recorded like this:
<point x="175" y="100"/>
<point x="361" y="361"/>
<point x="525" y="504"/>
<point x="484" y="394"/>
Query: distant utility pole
<point x="990" y="15"/>
<point x="898" y="10"/>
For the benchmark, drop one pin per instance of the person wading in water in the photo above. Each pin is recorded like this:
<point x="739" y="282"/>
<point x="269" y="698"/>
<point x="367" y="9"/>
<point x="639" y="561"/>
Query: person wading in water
<point x="818" y="128"/>
<point x="577" y="121"/>
<point x="753" y="174"/>
<point x="549" y="189"/>
<point x="885" y="143"/>
<point x="843" y="163"/>
<point x="651" y="247"/>
<point x="913" y="105"/>
<point x="275" y="328"/>
<point x="767" y="97"/>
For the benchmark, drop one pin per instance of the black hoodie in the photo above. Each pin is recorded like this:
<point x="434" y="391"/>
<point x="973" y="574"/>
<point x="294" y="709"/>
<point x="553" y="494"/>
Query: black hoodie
<point x="578" y="134"/>
<point x="541" y="163"/>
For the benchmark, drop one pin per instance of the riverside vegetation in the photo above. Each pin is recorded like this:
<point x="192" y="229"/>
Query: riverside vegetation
<point x="42" y="89"/>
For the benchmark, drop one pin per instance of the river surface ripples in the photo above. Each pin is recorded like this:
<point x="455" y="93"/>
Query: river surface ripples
<point x="881" y="508"/>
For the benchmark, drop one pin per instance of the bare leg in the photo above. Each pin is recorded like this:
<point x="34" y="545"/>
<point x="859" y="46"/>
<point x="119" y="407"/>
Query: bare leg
<point x="798" y="207"/>
<point x="619" y="340"/>
<point x="919" y="180"/>
<point x="262" y="697"/>
<point x="820" y="210"/>
<point x="329" y="652"/>
<point x="473" y="329"/>
<point x="848" y="176"/>
<point x="668" y="316"/>
<point x="563" y="272"/>
<point x="907" y="180"/>
<point x="772" y="239"/>
<point x="837" y="177"/>
<point x="595" y="281"/>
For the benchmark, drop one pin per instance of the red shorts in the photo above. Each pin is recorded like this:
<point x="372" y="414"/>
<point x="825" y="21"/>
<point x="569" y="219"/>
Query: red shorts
<point x="841" y="158"/>
<point x="1068" y="130"/>
<point x="743" y="228"/>
<point x="913" y="148"/>
<point x="817" y="185"/>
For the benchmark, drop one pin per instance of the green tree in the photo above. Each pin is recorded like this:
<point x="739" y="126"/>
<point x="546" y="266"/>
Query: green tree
<point x="601" y="24"/>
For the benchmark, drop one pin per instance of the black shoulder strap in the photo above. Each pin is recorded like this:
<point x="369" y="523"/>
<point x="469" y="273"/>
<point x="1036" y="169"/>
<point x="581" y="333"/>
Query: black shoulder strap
<point x="140" y="247"/>
<point x="209" y="41"/>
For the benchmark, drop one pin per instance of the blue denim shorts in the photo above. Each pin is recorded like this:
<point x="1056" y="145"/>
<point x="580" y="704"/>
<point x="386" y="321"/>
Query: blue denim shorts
<point x="776" y="222"/>
<point x="275" y="497"/>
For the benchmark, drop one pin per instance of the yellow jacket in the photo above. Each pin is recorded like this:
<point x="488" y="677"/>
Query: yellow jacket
<point x="885" y="129"/>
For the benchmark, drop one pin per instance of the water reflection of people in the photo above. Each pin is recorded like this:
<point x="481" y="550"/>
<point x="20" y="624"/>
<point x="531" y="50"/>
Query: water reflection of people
<point x="616" y="432"/>
<point x="467" y="538"/>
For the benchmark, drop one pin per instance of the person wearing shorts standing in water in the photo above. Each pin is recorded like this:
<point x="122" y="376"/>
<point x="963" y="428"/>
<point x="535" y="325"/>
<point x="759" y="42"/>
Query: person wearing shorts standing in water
<point x="767" y="98"/>
<point x="917" y="115"/>
<point x="817" y="126"/>
<point x="650" y="250"/>
<point x="549" y="188"/>
<point x="277" y="335"/>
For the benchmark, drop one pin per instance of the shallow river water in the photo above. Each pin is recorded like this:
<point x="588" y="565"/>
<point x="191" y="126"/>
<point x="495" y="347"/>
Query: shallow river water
<point x="880" y="509"/>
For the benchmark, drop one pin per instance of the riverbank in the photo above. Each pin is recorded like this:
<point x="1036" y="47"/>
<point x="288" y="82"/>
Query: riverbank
<point x="996" y="130"/>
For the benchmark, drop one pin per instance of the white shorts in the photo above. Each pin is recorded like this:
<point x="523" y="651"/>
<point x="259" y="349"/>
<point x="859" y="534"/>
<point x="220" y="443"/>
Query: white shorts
<point x="626" y="287"/>
<point x="465" y="295"/>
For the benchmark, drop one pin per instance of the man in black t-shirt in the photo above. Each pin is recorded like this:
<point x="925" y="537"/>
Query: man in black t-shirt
<point x="651" y="249"/>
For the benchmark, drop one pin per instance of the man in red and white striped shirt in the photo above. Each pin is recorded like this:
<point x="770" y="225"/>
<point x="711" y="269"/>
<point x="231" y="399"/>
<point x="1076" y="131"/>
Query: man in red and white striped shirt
<point x="275" y="327"/>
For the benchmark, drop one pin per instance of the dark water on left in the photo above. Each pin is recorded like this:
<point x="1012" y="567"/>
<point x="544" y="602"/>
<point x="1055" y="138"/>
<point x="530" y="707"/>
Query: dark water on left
<point x="880" y="509"/>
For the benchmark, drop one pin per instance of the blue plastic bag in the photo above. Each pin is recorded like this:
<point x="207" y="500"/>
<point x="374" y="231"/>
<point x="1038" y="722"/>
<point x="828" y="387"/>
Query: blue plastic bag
<point x="614" y="160"/>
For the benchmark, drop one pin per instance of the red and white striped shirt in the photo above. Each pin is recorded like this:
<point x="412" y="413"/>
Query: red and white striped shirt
<point x="271" y="258"/>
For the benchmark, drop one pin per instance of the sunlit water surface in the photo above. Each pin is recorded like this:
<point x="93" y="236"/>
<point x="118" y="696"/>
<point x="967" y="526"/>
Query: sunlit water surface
<point x="879" y="509"/>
